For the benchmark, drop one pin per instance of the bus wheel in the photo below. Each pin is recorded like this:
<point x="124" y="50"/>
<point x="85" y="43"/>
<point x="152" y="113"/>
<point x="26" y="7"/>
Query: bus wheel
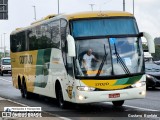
<point x="118" y="103"/>
<point x="60" y="99"/>
<point x="24" y="92"/>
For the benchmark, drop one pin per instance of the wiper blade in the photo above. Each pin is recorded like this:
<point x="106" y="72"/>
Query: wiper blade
<point x="102" y="63"/>
<point x="119" y="59"/>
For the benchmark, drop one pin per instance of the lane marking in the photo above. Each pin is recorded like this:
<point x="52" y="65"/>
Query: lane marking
<point x="134" y="107"/>
<point x="6" y="80"/>
<point x="60" y="117"/>
<point x="140" y="108"/>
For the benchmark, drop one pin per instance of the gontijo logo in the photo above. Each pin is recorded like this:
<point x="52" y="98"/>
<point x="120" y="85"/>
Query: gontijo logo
<point x="102" y="84"/>
<point x="26" y="59"/>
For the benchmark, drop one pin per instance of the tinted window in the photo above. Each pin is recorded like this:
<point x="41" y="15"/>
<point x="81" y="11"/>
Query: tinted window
<point x="6" y="62"/>
<point x="102" y="27"/>
<point x="44" y="36"/>
<point x="18" y="42"/>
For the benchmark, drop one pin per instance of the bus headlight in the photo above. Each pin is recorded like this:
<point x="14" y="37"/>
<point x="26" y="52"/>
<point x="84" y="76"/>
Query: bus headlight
<point x="139" y="84"/>
<point x="85" y="88"/>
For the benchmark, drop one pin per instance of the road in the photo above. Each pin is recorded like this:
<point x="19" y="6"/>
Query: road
<point x="149" y="105"/>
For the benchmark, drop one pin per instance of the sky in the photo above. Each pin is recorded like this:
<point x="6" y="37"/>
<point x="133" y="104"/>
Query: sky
<point x="21" y="13"/>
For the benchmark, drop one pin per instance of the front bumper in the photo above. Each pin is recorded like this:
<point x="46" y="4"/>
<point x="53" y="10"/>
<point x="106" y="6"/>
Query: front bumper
<point x="103" y="96"/>
<point x="6" y="71"/>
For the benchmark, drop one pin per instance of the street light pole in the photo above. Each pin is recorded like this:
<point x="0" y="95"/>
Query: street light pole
<point x="58" y="6"/>
<point x="34" y="12"/>
<point x="4" y="45"/>
<point x="123" y="5"/>
<point x="133" y="7"/>
<point x="92" y="6"/>
<point x="1" y="45"/>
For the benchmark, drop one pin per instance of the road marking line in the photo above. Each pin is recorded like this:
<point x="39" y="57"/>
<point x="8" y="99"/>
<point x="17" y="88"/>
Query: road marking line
<point x="63" y="118"/>
<point x="17" y="102"/>
<point x="6" y="80"/>
<point x="135" y="107"/>
<point x="140" y="108"/>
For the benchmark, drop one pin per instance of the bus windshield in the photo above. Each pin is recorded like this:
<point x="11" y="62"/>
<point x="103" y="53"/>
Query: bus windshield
<point x="103" y="27"/>
<point x="107" y="56"/>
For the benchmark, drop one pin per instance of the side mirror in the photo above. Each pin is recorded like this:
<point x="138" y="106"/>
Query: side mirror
<point x="71" y="46"/>
<point x="150" y="41"/>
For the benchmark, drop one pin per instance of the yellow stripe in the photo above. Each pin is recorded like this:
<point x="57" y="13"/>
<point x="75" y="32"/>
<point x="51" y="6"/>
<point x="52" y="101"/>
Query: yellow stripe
<point x="104" y="84"/>
<point x="94" y="14"/>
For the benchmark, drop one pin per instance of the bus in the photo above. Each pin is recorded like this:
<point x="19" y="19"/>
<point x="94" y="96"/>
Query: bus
<point x="47" y="58"/>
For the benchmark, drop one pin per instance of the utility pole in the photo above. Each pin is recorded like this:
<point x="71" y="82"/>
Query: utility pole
<point x="92" y="6"/>
<point x="34" y="12"/>
<point x="4" y="46"/>
<point x="123" y="5"/>
<point x="1" y="46"/>
<point x="58" y="6"/>
<point x="133" y="7"/>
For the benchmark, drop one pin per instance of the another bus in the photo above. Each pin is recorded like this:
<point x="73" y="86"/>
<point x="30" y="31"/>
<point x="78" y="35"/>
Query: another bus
<point x="47" y="56"/>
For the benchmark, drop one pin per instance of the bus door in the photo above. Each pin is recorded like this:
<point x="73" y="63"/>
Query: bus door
<point x="70" y="76"/>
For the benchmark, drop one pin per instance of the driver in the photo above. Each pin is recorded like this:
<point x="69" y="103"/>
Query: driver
<point x="87" y="58"/>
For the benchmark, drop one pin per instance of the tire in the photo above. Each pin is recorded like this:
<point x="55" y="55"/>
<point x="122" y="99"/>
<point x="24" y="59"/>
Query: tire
<point x="153" y="87"/>
<point x="2" y="73"/>
<point x="118" y="103"/>
<point x="24" y="92"/>
<point x="60" y="100"/>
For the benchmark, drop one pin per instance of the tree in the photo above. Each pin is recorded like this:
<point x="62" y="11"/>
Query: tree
<point x="156" y="55"/>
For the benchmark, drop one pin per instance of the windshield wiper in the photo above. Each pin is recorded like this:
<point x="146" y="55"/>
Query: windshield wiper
<point x="119" y="59"/>
<point x="102" y="63"/>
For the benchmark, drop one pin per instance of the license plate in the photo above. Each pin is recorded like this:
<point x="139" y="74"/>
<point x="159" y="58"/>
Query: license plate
<point x="115" y="95"/>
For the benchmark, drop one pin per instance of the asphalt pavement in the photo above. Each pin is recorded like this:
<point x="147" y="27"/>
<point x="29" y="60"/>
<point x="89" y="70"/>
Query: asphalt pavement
<point x="9" y="103"/>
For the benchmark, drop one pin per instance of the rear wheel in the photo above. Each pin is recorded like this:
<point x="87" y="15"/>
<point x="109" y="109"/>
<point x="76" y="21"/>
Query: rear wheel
<point x="24" y="92"/>
<point x="118" y="103"/>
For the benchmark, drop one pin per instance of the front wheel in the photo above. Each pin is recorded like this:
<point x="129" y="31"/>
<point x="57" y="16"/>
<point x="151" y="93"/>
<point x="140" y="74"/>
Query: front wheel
<point x="61" y="102"/>
<point x="118" y="103"/>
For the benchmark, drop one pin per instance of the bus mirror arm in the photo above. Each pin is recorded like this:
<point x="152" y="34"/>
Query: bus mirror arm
<point x="150" y="41"/>
<point x="71" y="46"/>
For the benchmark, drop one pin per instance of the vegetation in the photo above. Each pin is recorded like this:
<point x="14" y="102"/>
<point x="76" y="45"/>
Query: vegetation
<point x="156" y="55"/>
<point x="2" y="54"/>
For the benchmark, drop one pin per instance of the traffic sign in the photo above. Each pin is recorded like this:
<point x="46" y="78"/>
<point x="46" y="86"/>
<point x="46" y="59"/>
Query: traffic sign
<point x="3" y="9"/>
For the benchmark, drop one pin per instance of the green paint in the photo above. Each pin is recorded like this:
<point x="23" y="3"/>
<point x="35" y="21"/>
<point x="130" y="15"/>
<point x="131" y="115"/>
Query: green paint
<point x="121" y="81"/>
<point x="127" y="81"/>
<point x="42" y="67"/>
<point x="134" y="79"/>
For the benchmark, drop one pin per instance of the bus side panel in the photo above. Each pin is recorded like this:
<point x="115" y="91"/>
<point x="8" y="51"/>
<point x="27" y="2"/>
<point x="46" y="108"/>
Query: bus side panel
<point x="24" y="67"/>
<point x="50" y="68"/>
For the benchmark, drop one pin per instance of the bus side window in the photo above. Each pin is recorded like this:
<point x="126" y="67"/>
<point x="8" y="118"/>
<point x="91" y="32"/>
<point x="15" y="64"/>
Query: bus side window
<point x="31" y="35"/>
<point x="69" y="65"/>
<point x="13" y="43"/>
<point x="18" y="42"/>
<point x="53" y="33"/>
<point x="63" y="26"/>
